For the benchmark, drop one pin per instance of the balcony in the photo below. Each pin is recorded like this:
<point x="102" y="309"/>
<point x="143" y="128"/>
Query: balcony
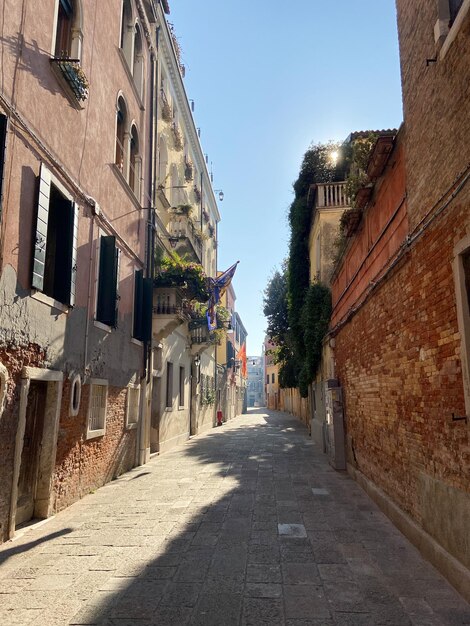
<point x="71" y="75"/>
<point x="331" y="196"/>
<point x="200" y="336"/>
<point x="170" y="310"/>
<point x="188" y="237"/>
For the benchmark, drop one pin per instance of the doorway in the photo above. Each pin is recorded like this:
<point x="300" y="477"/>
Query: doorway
<point x="35" y="446"/>
<point x="30" y="455"/>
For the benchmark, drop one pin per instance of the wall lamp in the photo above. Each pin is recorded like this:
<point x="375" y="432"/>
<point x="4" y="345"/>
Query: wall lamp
<point x="220" y="192"/>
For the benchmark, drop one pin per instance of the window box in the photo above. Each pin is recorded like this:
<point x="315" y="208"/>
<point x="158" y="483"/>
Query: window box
<point x="72" y="74"/>
<point x="177" y="137"/>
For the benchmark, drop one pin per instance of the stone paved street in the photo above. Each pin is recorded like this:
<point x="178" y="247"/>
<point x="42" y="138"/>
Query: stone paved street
<point x="247" y="524"/>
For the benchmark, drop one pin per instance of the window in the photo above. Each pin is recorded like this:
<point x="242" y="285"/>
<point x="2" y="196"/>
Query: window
<point x="55" y="241"/>
<point x="135" y="162"/>
<point x="169" y="385"/>
<point x="451" y="15"/>
<point x="97" y="408"/>
<point x="162" y="161"/>
<point x="138" y="61"/>
<point x="121" y="124"/>
<point x="272" y="378"/>
<point x="108" y="279"/>
<point x="3" y="140"/>
<point x="462" y="290"/>
<point x="132" y="408"/>
<point x="68" y="35"/>
<point x="127" y="28"/>
<point x="454" y="8"/>
<point x="267" y="379"/>
<point x="181" y="389"/>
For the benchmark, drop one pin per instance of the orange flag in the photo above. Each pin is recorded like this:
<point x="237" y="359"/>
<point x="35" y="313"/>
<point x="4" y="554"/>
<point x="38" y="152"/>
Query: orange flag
<point x="241" y="356"/>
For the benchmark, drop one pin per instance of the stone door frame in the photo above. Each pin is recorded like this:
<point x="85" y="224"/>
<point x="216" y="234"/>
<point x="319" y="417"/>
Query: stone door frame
<point x="54" y="380"/>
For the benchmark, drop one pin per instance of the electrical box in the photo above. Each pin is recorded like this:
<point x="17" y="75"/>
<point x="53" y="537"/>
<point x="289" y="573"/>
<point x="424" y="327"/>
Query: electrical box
<point x="335" y="425"/>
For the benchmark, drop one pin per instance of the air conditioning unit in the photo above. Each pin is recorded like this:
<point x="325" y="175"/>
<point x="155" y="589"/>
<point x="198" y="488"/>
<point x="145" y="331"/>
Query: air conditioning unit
<point x="335" y="425"/>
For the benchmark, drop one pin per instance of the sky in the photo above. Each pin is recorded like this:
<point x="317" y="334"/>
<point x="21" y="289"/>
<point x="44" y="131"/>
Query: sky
<point x="269" y="78"/>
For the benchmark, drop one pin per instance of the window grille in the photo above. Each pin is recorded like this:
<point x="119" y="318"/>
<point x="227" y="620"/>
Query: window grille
<point x="97" y="409"/>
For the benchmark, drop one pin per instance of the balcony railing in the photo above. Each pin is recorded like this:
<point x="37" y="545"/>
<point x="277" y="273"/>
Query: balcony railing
<point x="170" y="310"/>
<point x="181" y="227"/>
<point x="72" y="73"/>
<point x="331" y="196"/>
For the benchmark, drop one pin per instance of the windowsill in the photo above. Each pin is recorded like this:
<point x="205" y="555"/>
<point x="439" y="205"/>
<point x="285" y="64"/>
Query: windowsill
<point x="137" y="95"/>
<point x="93" y="434"/>
<point x="137" y="342"/>
<point x="181" y="408"/>
<point x="132" y="426"/>
<point x="104" y="327"/>
<point x="125" y="185"/>
<point x="55" y="304"/>
<point x="454" y="29"/>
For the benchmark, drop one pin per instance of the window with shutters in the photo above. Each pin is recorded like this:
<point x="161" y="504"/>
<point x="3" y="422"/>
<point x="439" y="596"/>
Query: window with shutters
<point x="462" y="291"/>
<point x="96" y="422"/>
<point x="132" y="409"/>
<point x="55" y="241"/>
<point x="169" y="385"/>
<point x="108" y="280"/>
<point x="3" y="140"/>
<point x="181" y="388"/>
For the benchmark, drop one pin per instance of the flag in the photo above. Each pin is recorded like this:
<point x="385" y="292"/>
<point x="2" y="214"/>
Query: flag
<point x="211" y="319"/>
<point x="241" y="356"/>
<point x="218" y="286"/>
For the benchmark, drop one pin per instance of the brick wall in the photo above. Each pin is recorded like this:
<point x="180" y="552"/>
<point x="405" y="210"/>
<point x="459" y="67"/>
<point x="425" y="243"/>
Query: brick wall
<point x="398" y="360"/>
<point x="436" y="104"/>
<point x="84" y="465"/>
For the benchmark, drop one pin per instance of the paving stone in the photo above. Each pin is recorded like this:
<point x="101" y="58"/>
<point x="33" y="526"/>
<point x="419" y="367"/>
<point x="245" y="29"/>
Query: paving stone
<point x="305" y="601"/>
<point x="262" y="611"/>
<point x="195" y="540"/>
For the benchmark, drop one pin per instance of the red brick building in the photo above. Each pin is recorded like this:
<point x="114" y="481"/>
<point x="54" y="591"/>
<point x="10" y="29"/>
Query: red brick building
<point x="401" y="321"/>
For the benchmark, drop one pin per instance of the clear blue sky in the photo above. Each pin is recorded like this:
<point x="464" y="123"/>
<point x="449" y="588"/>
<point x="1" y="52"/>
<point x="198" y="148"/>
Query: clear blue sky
<point x="268" y="78"/>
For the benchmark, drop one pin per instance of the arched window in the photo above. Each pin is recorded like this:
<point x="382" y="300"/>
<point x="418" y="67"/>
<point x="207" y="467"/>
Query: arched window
<point x="121" y="136"/>
<point x="68" y="36"/>
<point x="138" y="61"/>
<point x="127" y="29"/>
<point x="162" y="162"/>
<point x="135" y="164"/>
<point x="174" y="184"/>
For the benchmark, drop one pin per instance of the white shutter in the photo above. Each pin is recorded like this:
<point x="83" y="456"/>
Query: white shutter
<point x="73" y="275"/>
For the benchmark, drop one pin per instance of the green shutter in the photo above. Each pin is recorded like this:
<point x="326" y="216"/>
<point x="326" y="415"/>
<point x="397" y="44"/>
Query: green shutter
<point x="73" y="275"/>
<point x="138" y="294"/>
<point x="40" y="233"/>
<point x="147" y="305"/>
<point x="106" y="308"/>
<point x="143" y="302"/>
<point x="3" y="144"/>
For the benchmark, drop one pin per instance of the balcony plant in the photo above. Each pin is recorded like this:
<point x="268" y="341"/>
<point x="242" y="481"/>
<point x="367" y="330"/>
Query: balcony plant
<point x="182" y="209"/>
<point x="74" y="76"/>
<point x="205" y="215"/>
<point x="177" y="137"/>
<point x="188" y="170"/>
<point x="190" y="277"/>
<point x="167" y="113"/>
<point x="197" y="193"/>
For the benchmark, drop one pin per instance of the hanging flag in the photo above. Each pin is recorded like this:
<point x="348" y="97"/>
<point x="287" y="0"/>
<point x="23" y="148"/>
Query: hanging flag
<point x="241" y="356"/>
<point x="218" y="286"/>
<point x="211" y="319"/>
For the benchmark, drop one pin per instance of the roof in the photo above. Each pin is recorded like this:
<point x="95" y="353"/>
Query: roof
<point x="361" y="134"/>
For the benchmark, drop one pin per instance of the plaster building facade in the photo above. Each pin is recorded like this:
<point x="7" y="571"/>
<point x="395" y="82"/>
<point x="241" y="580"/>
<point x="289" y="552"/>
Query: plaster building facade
<point x="74" y="154"/>
<point x="255" y="382"/>
<point x="101" y="168"/>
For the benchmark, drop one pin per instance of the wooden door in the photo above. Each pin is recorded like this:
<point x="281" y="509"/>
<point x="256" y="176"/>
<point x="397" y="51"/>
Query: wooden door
<point x="30" y="456"/>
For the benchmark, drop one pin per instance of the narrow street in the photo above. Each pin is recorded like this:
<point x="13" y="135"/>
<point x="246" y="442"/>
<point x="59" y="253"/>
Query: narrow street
<point x="196" y="537"/>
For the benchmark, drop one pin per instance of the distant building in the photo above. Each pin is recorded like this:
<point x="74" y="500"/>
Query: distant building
<point x="271" y="371"/>
<point x="255" y="383"/>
